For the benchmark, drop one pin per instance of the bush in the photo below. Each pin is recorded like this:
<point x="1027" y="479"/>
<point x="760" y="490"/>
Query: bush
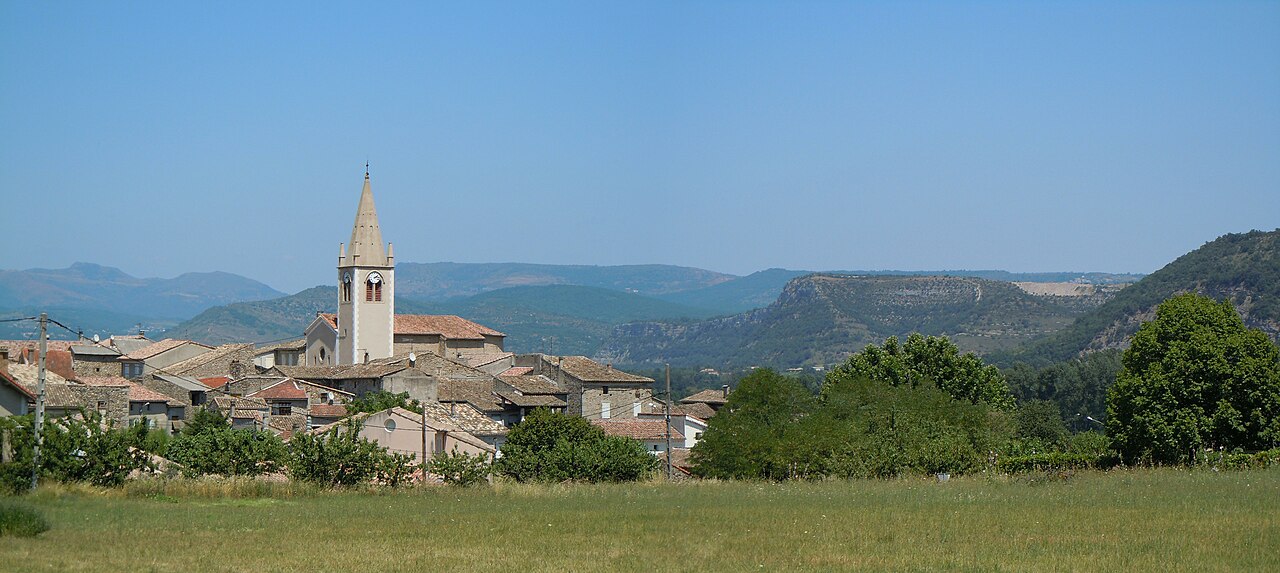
<point x="342" y="457"/>
<point x="219" y="450"/>
<point x="554" y="447"/>
<point x="460" y="468"/>
<point x="75" y="451"/>
<point x="20" y="521"/>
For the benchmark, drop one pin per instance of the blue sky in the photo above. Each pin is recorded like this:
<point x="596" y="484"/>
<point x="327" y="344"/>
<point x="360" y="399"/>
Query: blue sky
<point x="172" y="137"/>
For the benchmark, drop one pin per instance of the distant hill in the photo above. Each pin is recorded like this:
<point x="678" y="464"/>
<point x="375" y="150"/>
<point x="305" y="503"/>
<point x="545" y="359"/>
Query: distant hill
<point x="1244" y="268"/>
<point x="103" y="323"/>
<point x="578" y="318"/>
<point x="756" y="290"/>
<point x="822" y="318"/>
<point x="106" y="289"/>
<point x="441" y="281"/>
<point x="258" y="321"/>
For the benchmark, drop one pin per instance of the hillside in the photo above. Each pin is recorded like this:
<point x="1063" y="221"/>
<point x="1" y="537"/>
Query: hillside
<point x="441" y="281"/>
<point x="106" y="289"/>
<point x="756" y="290"/>
<point x="822" y="318"/>
<point x="578" y="318"/>
<point x="1244" y="268"/>
<point x="258" y="321"/>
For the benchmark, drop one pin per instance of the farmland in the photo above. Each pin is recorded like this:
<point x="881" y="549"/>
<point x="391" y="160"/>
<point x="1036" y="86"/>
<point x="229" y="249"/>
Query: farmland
<point x="1189" y="520"/>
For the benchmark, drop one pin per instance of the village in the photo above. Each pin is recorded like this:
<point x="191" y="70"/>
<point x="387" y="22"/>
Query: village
<point x="471" y="390"/>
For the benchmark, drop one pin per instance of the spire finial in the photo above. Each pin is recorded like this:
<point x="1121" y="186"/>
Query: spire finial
<point x="366" y="169"/>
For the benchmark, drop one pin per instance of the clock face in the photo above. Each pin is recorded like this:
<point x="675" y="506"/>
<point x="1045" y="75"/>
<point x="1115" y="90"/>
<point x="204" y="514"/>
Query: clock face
<point x="375" y="278"/>
<point x="346" y="277"/>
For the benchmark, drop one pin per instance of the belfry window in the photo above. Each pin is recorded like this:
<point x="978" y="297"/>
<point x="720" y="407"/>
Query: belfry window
<point x="373" y="288"/>
<point x="346" y="287"/>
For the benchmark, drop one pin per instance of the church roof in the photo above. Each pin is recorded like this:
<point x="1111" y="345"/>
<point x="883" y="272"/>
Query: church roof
<point x="366" y="247"/>
<point x="446" y="325"/>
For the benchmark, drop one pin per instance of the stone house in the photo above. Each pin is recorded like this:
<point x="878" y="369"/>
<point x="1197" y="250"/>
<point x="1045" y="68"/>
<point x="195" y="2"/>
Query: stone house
<point x="713" y="399"/>
<point x="419" y="435"/>
<point x="145" y="405"/>
<point x="594" y="390"/>
<point x="95" y="360"/>
<point x="15" y="399"/>
<point x="651" y="433"/>
<point x="361" y="379"/>
<point x="442" y="335"/>
<point x="291" y="395"/>
<point x="690" y="427"/>
<point x="232" y="360"/>
<point x="183" y="390"/>
<point x="523" y="393"/>
<point x="159" y="355"/>
<point x="291" y="353"/>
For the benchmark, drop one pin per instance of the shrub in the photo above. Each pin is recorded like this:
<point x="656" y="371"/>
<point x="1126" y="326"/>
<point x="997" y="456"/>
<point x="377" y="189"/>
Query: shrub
<point x="220" y="450"/>
<point x="460" y="468"/>
<point x="18" y="520"/>
<point x="554" y="447"/>
<point x="75" y="451"/>
<point x="340" y="456"/>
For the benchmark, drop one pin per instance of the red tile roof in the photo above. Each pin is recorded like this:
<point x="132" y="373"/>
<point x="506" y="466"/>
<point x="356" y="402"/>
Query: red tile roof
<point x="446" y="325"/>
<point x="215" y="381"/>
<point x="644" y="430"/>
<point x="330" y="318"/>
<point x="288" y="389"/>
<point x="517" y="371"/>
<point x="588" y="370"/>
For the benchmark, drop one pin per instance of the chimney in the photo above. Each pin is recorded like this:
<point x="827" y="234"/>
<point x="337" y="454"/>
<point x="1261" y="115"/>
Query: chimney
<point x="236" y="369"/>
<point x="725" y="390"/>
<point x="4" y="359"/>
<point x="608" y="366"/>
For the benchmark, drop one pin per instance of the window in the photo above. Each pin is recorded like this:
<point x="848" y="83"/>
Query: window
<point x="281" y="409"/>
<point x="604" y="410"/>
<point x="131" y="370"/>
<point x="346" y="287"/>
<point x="390" y="425"/>
<point x="373" y="288"/>
<point x="606" y="390"/>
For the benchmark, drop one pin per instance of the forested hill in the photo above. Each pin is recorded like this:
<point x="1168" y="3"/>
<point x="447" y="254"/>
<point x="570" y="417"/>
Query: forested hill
<point x="822" y="318"/>
<point x="1244" y="268"/>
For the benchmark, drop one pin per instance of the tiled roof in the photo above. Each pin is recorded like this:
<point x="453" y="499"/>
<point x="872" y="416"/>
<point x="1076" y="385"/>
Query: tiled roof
<point x="94" y="350"/>
<point x="157" y="348"/>
<point x="4" y="377"/>
<point x="478" y="393"/>
<point x="215" y="381"/>
<point x="516" y="371"/>
<point x="707" y="397"/>
<point x="137" y="392"/>
<point x="28" y="375"/>
<point x="287" y="389"/>
<point x="588" y="370"/>
<point x="57" y="361"/>
<point x="645" y="430"/>
<point x="224" y="403"/>
<point x="330" y="318"/>
<point x="532" y="384"/>
<point x="699" y="410"/>
<point x="481" y="359"/>
<point x="328" y="410"/>
<point x="532" y="400"/>
<point x="204" y="359"/>
<point x="447" y="326"/>
<point x="298" y="344"/>
<point x="15" y="345"/>
<point x="466" y="417"/>
<point x="350" y="372"/>
<point x="185" y="382"/>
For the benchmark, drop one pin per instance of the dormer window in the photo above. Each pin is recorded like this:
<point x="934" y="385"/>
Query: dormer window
<point x="346" y="287"/>
<point x="373" y="288"/>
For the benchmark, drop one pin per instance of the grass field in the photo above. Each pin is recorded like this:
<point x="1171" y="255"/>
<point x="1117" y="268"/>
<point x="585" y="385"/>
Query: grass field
<point x="1144" y="520"/>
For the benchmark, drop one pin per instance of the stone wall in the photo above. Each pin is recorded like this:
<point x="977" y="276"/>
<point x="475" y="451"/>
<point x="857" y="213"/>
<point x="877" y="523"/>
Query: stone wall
<point x="95" y="365"/>
<point x="622" y="399"/>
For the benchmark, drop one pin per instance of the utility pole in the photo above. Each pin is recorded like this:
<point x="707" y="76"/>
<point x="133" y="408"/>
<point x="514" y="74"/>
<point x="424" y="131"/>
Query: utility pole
<point x="668" y="403"/>
<point x="39" y="423"/>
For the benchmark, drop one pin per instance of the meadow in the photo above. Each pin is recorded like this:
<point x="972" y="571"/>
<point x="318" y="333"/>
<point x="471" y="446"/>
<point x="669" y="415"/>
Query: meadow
<point x="1125" y="520"/>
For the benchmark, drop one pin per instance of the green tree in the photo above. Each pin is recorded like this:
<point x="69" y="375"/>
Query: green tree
<point x="554" y="447"/>
<point x="459" y="468"/>
<point x="926" y="358"/>
<point x="218" y="449"/>
<point x="75" y="450"/>
<point x="382" y="400"/>
<point x="340" y="456"/>
<point x="752" y="435"/>
<point x="1041" y="421"/>
<point x="1195" y="377"/>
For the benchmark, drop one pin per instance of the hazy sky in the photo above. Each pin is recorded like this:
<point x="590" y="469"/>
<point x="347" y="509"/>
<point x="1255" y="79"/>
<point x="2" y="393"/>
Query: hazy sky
<point x="1027" y="136"/>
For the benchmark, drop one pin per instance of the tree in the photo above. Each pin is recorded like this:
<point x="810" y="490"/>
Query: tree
<point x="751" y="436"/>
<point x="554" y="447"/>
<point x="215" y="448"/>
<point x="926" y="358"/>
<point x="76" y="451"/>
<point x="340" y="456"/>
<point x="382" y="400"/>
<point x="459" y="468"/>
<point x="1195" y="377"/>
<point x="1041" y="421"/>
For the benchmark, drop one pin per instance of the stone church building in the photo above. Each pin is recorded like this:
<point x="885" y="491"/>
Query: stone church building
<point x="366" y="326"/>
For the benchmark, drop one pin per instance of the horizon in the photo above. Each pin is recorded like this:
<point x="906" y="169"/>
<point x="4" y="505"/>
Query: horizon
<point x="162" y="139"/>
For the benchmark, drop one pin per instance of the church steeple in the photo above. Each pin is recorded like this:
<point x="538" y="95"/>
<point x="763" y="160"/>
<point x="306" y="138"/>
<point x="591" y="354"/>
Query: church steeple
<point x="366" y="248"/>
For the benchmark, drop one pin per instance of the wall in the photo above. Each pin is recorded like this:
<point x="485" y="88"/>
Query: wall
<point x="418" y="384"/>
<point x="621" y="398"/>
<point x="90" y="365"/>
<point x="12" y="402"/>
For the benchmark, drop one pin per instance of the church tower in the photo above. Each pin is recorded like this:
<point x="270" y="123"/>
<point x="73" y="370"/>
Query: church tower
<point x="366" y="288"/>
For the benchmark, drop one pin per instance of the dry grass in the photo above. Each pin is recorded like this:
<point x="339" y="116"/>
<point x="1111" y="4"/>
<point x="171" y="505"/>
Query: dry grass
<point x="1127" y="520"/>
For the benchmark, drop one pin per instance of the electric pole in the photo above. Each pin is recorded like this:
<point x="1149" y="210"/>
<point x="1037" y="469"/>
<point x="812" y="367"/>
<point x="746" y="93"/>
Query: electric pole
<point x="668" y="403"/>
<point x="39" y="423"/>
